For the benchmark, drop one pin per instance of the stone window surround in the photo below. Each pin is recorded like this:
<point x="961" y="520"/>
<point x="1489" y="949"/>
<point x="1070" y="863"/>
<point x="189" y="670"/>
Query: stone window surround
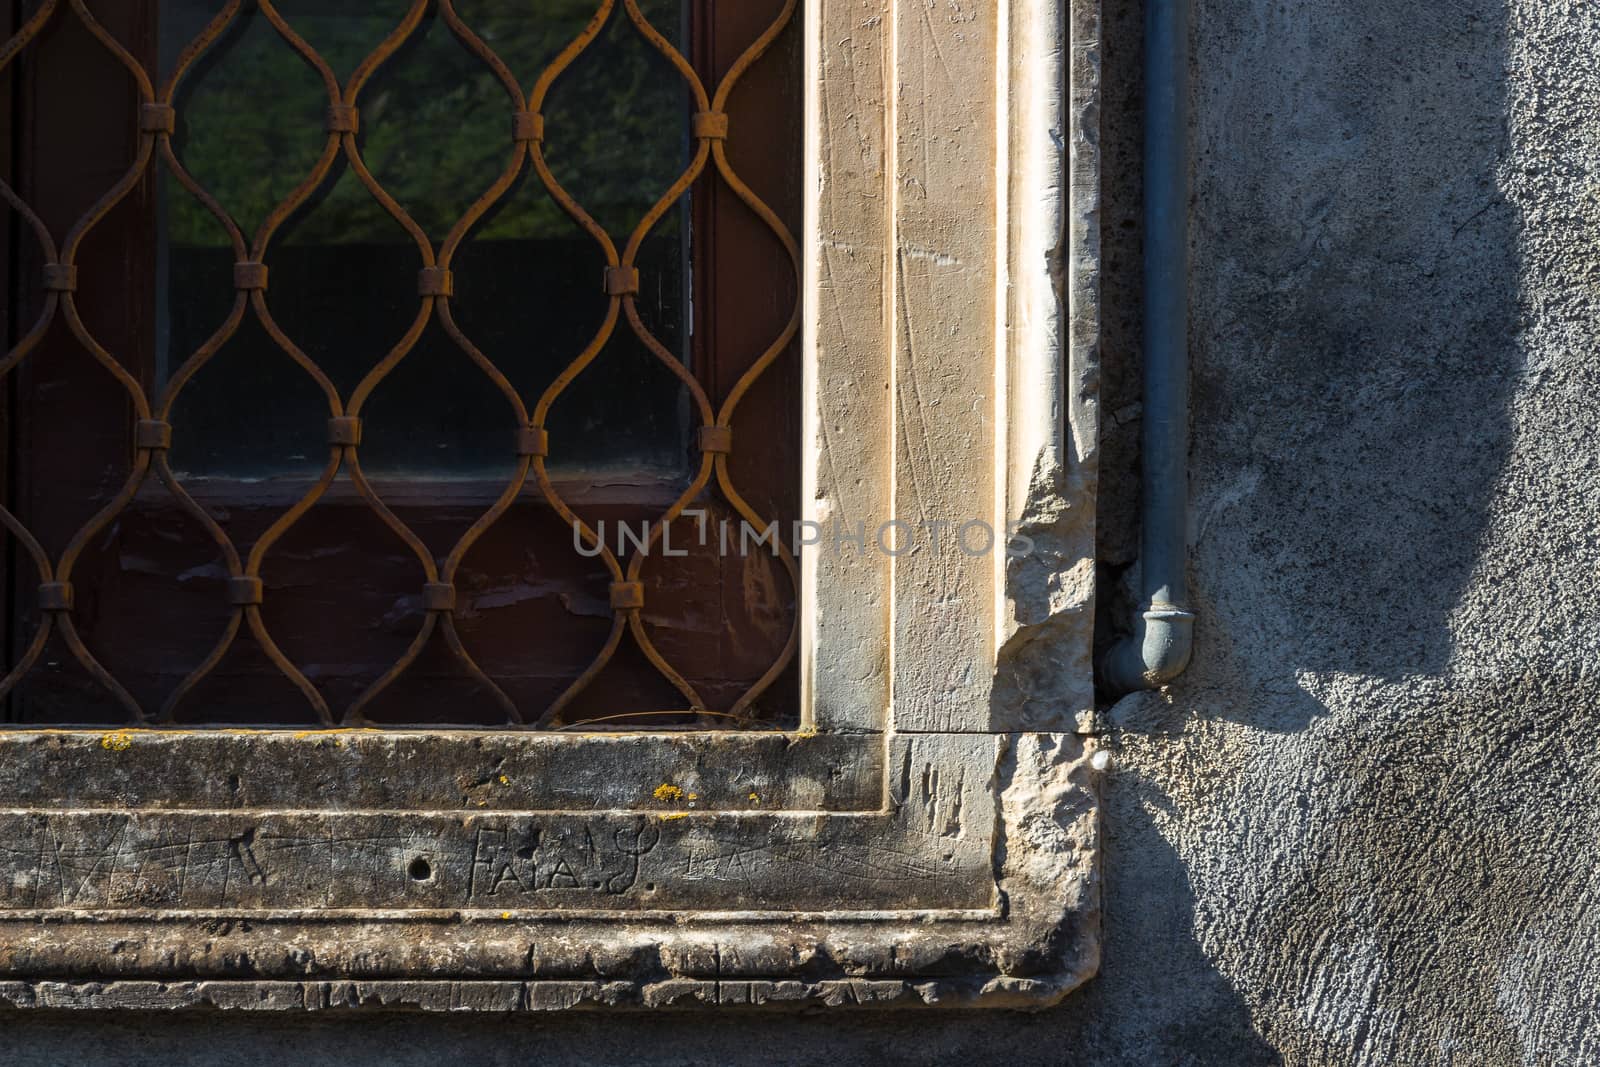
<point x="929" y="834"/>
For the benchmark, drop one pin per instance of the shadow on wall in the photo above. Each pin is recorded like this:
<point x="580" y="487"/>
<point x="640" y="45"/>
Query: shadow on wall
<point x="1355" y="318"/>
<point x="1414" y="882"/>
<point x="1159" y="998"/>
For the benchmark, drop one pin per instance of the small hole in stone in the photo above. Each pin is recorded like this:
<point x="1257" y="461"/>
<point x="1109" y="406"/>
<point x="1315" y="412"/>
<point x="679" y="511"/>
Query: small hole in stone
<point x="233" y="783"/>
<point x="420" y="870"/>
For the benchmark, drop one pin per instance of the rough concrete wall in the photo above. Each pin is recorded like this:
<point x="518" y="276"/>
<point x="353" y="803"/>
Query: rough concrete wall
<point x="1363" y="829"/>
<point x="1379" y="782"/>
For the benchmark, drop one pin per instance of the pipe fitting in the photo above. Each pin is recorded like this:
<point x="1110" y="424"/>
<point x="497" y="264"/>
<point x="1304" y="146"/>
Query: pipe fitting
<point x="1154" y="655"/>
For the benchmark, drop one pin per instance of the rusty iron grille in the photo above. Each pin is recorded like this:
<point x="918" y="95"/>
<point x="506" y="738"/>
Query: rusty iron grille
<point x="526" y="417"/>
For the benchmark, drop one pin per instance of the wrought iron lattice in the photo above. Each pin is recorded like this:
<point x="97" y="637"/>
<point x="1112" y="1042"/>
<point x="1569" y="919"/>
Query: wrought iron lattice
<point x="154" y="430"/>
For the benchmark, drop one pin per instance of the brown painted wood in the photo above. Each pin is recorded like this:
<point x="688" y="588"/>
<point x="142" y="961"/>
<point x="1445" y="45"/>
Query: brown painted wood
<point x="745" y="289"/>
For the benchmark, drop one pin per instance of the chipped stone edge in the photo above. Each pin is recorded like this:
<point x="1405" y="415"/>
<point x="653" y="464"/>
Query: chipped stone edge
<point x="1043" y="671"/>
<point x="472" y="996"/>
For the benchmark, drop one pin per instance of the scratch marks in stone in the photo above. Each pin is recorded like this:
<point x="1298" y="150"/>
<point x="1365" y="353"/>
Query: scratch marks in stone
<point x="932" y="803"/>
<point x="114" y="861"/>
<point x="752" y="863"/>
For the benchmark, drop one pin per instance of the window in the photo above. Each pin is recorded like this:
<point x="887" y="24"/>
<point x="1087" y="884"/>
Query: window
<point x="918" y="823"/>
<point x="525" y="291"/>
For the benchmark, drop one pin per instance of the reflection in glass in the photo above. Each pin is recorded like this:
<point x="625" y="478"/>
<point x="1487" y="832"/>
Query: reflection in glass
<point x="435" y="133"/>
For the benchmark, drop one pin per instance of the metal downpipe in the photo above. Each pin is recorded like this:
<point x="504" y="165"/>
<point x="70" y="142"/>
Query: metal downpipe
<point x="1163" y="638"/>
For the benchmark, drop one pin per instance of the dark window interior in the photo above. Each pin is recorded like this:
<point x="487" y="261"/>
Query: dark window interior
<point x="429" y="574"/>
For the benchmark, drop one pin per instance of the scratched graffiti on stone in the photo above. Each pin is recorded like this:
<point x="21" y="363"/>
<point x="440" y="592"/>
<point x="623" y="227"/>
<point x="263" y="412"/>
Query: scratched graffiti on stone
<point x="115" y="862"/>
<point x="749" y="860"/>
<point x="531" y="858"/>
<point x="150" y="861"/>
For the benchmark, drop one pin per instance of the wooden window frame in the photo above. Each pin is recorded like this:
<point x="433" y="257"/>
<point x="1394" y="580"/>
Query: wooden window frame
<point x="927" y="836"/>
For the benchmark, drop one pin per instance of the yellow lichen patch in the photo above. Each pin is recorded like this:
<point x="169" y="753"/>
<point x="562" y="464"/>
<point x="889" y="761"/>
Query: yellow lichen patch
<point x="694" y="796"/>
<point x="668" y="791"/>
<point x="505" y="915"/>
<point x="117" y="741"/>
<point x="504" y="780"/>
<point x="755" y="798"/>
<point x="675" y="815"/>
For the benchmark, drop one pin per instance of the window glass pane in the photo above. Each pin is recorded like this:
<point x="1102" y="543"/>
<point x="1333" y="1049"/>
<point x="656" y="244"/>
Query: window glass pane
<point x="434" y="133"/>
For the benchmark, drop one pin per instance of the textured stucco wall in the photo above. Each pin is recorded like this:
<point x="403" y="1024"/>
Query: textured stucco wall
<point x="1363" y="829"/>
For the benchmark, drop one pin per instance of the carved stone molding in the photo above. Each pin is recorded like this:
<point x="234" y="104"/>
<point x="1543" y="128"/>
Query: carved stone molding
<point x="975" y="881"/>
